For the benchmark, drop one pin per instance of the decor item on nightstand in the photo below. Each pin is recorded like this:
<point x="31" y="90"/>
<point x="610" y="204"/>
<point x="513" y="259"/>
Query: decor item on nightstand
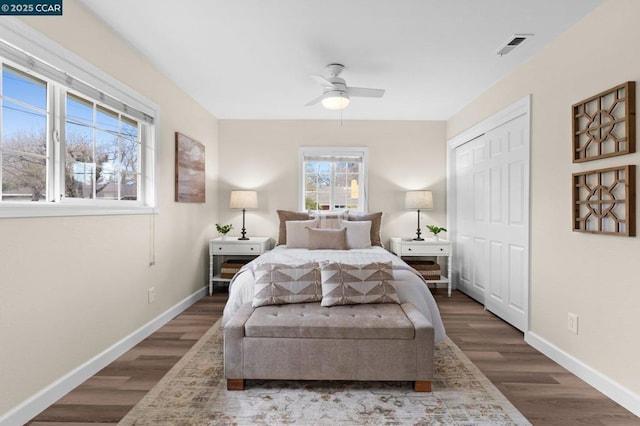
<point x="224" y="229"/>
<point x="232" y="267"/>
<point x="190" y="170"/>
<point x="418" y="200"/>
<point x="435" y="230"/>
<point x="604" y="125"/>
<point x="243" y="200"/>
<point x="604" y="201"/>
<point x="429" y="269"/>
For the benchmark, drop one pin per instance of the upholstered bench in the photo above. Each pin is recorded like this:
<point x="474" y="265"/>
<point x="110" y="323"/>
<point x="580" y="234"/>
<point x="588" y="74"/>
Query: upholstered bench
<point x="373" y="342"/>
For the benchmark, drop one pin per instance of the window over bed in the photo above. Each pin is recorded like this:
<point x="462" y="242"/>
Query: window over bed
<point x="333" y="179"/>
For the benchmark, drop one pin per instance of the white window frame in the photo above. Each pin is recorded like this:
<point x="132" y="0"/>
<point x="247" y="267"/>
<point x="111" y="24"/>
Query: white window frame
<point x="362" y="152"/>
<point x="25" y="38"/>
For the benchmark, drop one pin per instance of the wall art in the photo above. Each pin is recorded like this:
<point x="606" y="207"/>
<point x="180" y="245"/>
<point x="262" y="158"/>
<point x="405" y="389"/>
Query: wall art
<point x="605" y="124"/>
<point x="190" y="170"/>
<point x="604" y="201"/>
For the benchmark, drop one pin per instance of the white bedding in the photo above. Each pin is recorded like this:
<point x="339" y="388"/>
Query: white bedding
<point x="409" y="285"/>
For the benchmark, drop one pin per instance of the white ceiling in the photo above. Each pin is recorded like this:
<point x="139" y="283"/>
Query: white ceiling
<point x="251" y="59"/>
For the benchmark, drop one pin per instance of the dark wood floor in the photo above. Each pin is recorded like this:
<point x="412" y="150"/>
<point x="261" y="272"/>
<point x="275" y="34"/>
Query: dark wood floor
<point x="544" y="392"/>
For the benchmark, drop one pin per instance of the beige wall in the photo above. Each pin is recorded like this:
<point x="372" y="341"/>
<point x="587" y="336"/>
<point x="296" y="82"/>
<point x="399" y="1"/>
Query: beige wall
<point x="74" y="286"/>
<point x="263" y="155"/>
<point x="593" y="276"/>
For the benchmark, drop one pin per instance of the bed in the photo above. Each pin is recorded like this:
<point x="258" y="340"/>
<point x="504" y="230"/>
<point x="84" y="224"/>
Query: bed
<point x="330" y="303"/>
<point x="410" y="286"/>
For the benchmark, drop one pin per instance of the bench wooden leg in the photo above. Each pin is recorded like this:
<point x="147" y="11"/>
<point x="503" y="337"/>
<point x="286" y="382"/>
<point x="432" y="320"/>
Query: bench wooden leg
<point x="235" y="384"/>
<point x="422" y="386"/>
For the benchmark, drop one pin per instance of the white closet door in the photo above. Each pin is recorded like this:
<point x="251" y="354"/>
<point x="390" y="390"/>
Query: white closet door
<point x="472" y="220"/>
<point x="492" y="190"/>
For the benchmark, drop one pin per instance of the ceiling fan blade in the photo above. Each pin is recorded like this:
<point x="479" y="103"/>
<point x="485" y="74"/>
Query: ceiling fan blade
<point x="322" y="81"/>
<point x="315" y="101"/>
<point x="365" y="92"/>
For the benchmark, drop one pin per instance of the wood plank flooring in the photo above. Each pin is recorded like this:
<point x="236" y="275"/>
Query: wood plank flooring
<point x="544" y="392"/>
<point x="108" y="396"/>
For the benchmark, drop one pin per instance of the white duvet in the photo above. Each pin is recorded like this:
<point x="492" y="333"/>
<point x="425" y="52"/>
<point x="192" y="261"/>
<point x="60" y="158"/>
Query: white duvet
<point x="410" y="286"/>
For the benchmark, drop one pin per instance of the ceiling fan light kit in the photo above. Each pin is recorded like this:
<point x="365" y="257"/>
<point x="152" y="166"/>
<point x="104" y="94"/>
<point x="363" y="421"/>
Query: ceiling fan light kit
<point x="335" y="100"/>
<point x="336" y="94"/>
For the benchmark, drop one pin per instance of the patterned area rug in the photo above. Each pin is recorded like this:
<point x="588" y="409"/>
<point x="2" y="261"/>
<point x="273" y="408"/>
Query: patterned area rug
<point x="194" y="393"/>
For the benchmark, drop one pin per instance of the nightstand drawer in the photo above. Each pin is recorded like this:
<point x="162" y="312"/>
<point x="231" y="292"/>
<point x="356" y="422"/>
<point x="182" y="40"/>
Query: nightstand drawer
<point x="424" y="250"/>
<point x="218" y="248"/>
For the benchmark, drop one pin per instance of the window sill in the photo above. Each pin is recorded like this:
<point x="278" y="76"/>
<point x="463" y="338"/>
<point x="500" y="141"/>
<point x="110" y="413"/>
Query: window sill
<point x="25" y="210"/>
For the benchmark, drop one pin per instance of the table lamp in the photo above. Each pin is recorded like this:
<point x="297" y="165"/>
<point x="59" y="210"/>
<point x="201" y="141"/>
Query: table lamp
<point x="418" y="200"/>
<point x="243" y="200"/>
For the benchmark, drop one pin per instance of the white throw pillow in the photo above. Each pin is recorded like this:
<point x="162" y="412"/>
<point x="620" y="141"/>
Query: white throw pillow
<point x="297" y="234"/>
<point x="358" y="234"/>
<point x="329" y="219"/>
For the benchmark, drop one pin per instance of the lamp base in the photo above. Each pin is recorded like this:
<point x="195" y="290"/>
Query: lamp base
<point x="418" y="233"/>
<point x="244" y="230"/>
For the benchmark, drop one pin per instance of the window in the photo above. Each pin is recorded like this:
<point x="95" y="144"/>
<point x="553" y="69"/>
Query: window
<point x="102" y="152"/>
<point x="333" y="179"/>
<point x="23" y="147"/>
<point x="70" y="144"/>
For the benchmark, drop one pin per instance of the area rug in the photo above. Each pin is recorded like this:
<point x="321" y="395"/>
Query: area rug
<point x="194" y="392"/>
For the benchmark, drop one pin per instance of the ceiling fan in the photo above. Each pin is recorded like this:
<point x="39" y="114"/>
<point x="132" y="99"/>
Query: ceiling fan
<point x="336" y="94"/>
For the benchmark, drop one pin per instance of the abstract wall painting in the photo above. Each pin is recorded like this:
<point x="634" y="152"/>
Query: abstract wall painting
<point x="190" y="170"/>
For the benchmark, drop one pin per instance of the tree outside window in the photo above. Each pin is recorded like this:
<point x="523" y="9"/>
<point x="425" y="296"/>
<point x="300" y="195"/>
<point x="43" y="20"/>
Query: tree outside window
<point x="102" y="147"/>
<point x="333" y="179"/>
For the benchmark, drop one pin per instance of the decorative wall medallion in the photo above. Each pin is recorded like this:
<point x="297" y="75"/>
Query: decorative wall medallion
<point x="605" y="124"/>
<point x="604" y="201"/>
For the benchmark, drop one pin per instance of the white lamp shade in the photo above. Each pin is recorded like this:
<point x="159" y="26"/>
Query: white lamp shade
<point x="243" y="200"/>
<point x="335" y="100"/>
<point x="418" y="200"/>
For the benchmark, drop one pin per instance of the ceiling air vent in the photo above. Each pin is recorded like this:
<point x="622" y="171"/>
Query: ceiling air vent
<point x="514" y="41"/>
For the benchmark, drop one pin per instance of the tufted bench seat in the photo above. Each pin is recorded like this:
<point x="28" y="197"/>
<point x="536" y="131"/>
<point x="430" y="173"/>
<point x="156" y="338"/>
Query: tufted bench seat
<point x="307" y="341"/>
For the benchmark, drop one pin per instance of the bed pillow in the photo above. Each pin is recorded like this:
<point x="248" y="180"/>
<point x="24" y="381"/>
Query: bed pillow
<point x="376" y="221"/>
<point x="297" y="235"/>
<point x="344" y="284"/>
<point x="278" y="284"/>
<point x="330" y="219"/>
<point x="329" y="239"/>
<point x="284" y="216"/>
<point x="358" y="234"/>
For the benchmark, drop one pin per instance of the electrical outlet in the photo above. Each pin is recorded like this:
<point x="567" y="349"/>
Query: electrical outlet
<point x="572" y="323"/>
<point x="152" y="294"/>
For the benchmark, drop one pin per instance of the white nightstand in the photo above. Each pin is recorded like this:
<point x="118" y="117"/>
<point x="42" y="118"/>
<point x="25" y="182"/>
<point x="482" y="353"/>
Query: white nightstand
<point x="440" y="248"/>
<point x="232" y="247"/>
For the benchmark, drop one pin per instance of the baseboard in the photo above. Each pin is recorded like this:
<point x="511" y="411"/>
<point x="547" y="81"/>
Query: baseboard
<point x="38" y="402"/>
<point x="604" y="384"/>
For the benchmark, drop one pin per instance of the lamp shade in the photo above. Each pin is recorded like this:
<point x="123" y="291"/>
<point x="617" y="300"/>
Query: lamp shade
<point x="335" y="99"/>
<point x="418" y="200"/>
<point x="243" y="200"/>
